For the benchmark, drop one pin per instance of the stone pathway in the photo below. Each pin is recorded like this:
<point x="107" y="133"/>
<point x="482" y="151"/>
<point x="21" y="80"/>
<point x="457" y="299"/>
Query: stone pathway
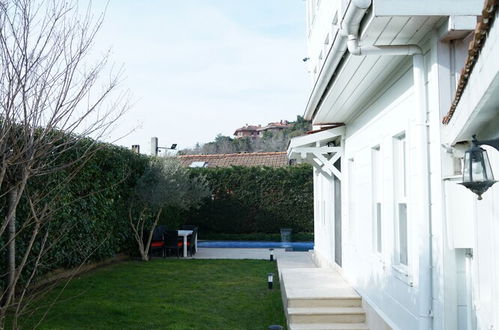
<point x="226" y="253"/>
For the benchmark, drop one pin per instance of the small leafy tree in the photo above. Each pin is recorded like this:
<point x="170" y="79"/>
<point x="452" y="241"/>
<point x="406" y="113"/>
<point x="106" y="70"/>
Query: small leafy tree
<point x="165" y="184"/>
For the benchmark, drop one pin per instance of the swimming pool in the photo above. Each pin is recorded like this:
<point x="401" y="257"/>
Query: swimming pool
<point x="295" y="246"/>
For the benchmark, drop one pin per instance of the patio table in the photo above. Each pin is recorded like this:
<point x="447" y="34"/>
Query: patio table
<point x="184" y="234"/>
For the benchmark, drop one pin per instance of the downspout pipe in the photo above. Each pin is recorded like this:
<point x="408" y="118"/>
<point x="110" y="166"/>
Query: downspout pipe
<point x="350" y="24"/>
<point x="350" y="29"/>
<point x="355" y="49"/>
<point x="426" y="259"/>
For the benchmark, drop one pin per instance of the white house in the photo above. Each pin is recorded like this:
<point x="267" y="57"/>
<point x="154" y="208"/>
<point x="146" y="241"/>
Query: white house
<point x="398" y="89"/>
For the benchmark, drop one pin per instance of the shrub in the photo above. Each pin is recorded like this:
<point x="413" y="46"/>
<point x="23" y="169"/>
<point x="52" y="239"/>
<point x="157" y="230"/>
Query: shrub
<point x="89" y="220"/>
<point x="255" y="200"/>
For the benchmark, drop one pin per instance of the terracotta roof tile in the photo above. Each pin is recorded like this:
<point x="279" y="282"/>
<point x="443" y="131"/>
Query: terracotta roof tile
<point x="271" y="159"/>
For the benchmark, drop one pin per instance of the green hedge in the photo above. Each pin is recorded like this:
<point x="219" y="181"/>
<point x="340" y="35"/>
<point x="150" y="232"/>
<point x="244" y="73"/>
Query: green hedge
<point x="255" y="200"/>
<point x="90" y="222"/>
<point x="97" y="207"/>
<point x="91" y="219"/>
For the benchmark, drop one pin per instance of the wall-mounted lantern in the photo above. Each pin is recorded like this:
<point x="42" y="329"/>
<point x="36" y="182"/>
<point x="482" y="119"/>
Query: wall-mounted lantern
<point x="477" y="172"/>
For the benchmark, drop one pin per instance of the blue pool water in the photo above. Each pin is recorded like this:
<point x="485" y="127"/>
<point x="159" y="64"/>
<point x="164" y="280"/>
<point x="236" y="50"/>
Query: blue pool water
<point x="295" y="246"/>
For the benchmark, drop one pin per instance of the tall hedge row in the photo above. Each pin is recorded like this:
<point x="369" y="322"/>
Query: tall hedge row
<point x="97" y="207"/>
<point x="89" y="222"/>
<point x="256" y="200"/>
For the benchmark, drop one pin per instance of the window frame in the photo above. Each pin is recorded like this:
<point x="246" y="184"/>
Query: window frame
<point x="400" y="189"/>
<point x="377" y="201"/>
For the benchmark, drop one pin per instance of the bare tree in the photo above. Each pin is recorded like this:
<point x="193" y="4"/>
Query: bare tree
<point x="51" y="97"/>
<point x="164" y="184"/>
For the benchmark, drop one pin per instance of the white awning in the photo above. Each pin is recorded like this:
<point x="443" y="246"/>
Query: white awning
<point x="321" y="150"/>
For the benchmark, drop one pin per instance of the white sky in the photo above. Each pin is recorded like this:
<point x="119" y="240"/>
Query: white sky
<point x="197" y="68"/>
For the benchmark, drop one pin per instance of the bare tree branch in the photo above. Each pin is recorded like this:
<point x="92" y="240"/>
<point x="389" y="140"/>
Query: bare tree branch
<point x="51" y="98"/>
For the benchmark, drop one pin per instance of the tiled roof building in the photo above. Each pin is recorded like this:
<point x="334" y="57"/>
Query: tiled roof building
<point x="247" y="131"/>
<point x="271" y="159"/>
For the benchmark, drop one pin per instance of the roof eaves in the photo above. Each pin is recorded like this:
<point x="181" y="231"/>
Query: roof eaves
<point x="476" y="44"/>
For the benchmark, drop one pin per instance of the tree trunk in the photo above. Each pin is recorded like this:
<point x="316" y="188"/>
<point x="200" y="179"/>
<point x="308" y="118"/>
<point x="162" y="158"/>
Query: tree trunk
<point x="11" y="248"/>
<point x="144" y="255"/>
<point x="6" y="294"/>
<point x="147" y="246"/>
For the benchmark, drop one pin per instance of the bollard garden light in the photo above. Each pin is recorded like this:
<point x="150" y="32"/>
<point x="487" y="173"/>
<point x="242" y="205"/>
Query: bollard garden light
<point x="276" y="327"/>
<point x="270" y="280"/>
<point x="271" y="254"/>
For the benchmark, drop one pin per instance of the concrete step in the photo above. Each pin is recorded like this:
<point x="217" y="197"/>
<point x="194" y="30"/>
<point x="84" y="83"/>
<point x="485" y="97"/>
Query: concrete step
<point x="316" y="283"/>
<point x="328" y="326"/>
<point x="326" y="315"/>
<point x="325" y="302"/>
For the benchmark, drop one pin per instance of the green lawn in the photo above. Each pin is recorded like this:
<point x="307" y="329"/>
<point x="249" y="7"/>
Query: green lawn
<point x="169" y="294"/>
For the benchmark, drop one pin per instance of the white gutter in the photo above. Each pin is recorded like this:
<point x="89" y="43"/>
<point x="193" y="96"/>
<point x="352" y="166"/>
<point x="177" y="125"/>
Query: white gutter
<point x="350" y="27"/>
<point x="351" y="22"/>
<point x="333" y="58"/>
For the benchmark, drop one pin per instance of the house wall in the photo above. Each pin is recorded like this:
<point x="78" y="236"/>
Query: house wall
<point x="377" y="276"/>
<point x="472" y="226"/>
<point x="392" y="291"/>
<point x="321" y="32"/>
<point x="464" y="289"/>
<point x="485" y="264"/>
<point x="324" y="219"/>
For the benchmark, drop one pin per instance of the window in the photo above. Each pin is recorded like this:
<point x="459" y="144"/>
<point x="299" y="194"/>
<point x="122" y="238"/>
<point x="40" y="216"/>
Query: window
<point x="401" y="223"/>
<point x="352" y="202"/>
<point x="312" y="9"/>
<point x="377" y="191"/>
<point x="402" y="232"/>
<point x="198" y="164"/>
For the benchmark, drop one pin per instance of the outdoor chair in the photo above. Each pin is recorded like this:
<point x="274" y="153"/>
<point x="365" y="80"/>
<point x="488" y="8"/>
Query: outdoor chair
<point x="172" y="243"/>
<point x="191" y="243"/>
<point x="157" y="242"/>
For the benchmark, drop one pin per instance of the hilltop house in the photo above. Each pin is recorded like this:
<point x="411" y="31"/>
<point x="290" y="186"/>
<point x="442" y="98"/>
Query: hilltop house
<point x="250" y="131"/>
<point x="409" y="83"/>
<point x="254" y="132"/>
<point x="274" y="127"/>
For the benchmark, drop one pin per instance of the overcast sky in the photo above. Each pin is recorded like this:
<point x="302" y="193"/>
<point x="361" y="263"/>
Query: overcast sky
<point x="197" y="68"/>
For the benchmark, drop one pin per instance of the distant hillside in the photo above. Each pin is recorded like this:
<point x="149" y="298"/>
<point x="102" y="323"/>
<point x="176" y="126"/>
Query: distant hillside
<point x="269" y="141"/>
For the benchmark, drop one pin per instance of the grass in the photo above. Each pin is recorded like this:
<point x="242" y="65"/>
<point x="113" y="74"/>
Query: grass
<point x="168" y="294"/>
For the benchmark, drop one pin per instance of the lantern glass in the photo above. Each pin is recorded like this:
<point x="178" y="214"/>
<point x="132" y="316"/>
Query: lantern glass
<point x="477" y="166"/>
<point x="477" y="172"/>
<point x="270" y="277"/>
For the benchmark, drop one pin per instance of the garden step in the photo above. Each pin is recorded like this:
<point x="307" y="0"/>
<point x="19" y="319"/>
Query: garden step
<point x="325" y="302"/>
<point x="316" y="283"/>
<point x="326" y="315"/>
<point x="328" y="326"/>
